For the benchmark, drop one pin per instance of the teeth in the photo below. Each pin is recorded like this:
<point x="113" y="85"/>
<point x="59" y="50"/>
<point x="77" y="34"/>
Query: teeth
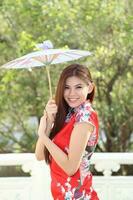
<point x="72" y="99"/>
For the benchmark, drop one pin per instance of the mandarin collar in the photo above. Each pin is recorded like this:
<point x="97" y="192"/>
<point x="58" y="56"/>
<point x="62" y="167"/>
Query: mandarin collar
<point x="72" y="111"/>
<point x="81" y="106"/>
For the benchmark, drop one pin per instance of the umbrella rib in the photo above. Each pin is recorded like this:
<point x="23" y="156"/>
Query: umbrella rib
<point x="14" y="62"/>
<point x="40" y="58"/>
<point x="46" y="59"/>
<point x="54" y="57"/>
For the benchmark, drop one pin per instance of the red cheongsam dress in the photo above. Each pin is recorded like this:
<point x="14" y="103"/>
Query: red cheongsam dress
<point x="78" y="186"/>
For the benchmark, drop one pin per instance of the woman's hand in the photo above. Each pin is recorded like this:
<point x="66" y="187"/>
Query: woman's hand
<point x="51" y="110"/>
<point x="47" y="119"/>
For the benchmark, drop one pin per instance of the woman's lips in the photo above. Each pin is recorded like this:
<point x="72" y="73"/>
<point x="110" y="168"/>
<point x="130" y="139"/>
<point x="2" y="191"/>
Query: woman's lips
<point x="72" y="99"/>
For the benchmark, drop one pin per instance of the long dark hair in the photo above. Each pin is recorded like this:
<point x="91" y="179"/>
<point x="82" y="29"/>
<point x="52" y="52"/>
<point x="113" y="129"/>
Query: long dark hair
<point x="84" y="74"/>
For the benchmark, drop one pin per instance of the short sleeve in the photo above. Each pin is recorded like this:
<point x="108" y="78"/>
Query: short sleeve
<point x="87" y="114"/>
<point x="84" y="114"/>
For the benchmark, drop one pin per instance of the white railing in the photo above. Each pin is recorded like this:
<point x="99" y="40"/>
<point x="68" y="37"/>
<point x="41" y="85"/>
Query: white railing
<point x="37" y="186"/>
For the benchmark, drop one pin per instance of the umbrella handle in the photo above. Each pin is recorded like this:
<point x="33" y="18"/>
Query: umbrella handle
<point x="49" y="81"/>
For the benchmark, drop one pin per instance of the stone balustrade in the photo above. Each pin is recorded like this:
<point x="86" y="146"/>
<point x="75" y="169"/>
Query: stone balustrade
<point x="37" y="186"/>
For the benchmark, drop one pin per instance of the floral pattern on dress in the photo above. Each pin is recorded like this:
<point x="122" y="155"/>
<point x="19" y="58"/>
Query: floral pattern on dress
<point x="84" y="113"/>
<point x="78" y="186"/>
<point x="73" y="193"/>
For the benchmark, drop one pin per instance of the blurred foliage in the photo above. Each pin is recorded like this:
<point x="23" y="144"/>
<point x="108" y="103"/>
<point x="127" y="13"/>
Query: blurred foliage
<point x="103" y="27"/>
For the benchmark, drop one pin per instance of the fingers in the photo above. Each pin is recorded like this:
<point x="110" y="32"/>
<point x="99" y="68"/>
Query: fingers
<point x="51" y="102"/>
<point x="51" y="107"/>
<point x="51" y="110"/>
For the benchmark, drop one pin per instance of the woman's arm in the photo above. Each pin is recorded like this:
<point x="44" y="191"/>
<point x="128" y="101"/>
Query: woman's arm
<point x="39" y="150"/>
<point x="79" y="138"/>
<point x="44" y="128"/>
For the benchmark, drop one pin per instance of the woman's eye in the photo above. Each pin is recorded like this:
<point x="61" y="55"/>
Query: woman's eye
<point x="66" y="87"/>
<point x="78" y="87"/>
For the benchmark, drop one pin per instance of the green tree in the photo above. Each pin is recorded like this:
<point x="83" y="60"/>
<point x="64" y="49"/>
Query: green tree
<point x="103" y="27"/>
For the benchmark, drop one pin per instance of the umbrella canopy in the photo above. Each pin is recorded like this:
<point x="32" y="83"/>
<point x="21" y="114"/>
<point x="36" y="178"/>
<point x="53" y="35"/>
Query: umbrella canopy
<point x="45" y="57"/>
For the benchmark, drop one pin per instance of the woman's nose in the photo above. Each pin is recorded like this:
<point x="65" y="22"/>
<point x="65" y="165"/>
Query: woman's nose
<point x="71" y="91"/>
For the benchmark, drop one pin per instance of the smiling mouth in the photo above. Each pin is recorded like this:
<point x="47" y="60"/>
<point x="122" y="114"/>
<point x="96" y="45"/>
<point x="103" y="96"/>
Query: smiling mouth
<point x="72" y="99"/>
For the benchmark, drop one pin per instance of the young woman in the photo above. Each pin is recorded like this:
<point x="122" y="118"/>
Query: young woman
<point x="68" y="134"/>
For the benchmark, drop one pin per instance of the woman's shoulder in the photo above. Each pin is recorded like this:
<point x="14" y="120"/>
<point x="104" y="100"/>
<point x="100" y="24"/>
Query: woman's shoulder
<point x="85" y="107"/>
<point x="85" y="112"/>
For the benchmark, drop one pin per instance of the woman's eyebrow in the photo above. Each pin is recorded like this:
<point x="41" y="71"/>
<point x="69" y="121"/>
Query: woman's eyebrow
<point x="80" y="84"/>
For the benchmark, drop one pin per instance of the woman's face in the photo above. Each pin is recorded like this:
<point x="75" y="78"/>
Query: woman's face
<point x="76" y="91"/>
